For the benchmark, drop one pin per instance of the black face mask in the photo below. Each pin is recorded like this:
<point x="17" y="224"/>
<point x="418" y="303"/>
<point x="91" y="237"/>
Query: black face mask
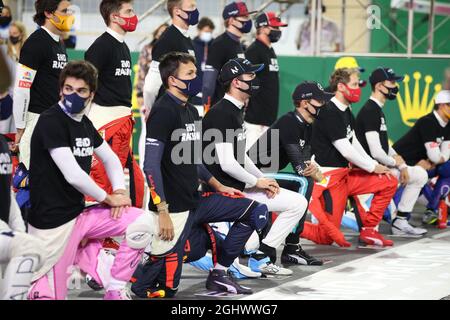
<point x="5" y="21"/>
<point x="315" y="108"/>
<point x="253" y="86"/>
<point x="391" y="94"/>
<point x="274" y="35"/>
<point x="14" y="40"/>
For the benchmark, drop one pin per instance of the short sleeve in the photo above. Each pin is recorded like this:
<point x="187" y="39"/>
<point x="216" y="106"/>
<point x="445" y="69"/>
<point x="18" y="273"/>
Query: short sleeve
<point x="32" y="54"/>
<point x="51" y="133"/>
<point x="224" y="124"/>
<point x="160" y="124"/>
<point x="97" y="54"/>
<point x="428" y="131"/>
<point x="288" y="131"/>
<point x="252" y="55"/>
<point x="216" y="56"/>
<point x="370" y="120"/>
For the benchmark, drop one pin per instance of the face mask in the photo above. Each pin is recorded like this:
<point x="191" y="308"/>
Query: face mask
<point x="193" y="87"/>
<point x="315" y="108"/>
<point x="192" y="18"/>
<point x="246" y="26"/>
<point x="74" y="104"/>
<point x="253" y="86"/>
<point x="353" y="95"/>
<point x="65" y="22"/>
<point x="14" y="40"/>
<point x="391" y="94"/>
<point x="206" y="36"/>
<point x="130" y="23"/>
<point x="274" y="36"/>
<point x="5" y="21"/>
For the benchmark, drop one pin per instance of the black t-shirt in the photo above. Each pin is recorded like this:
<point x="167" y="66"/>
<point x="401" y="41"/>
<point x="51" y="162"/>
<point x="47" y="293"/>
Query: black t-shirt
<point x="42" y="53"/>
<point x="371" y="118"/>
<point x="223" y="49"/>
<point x="5" y="179"/>
<point x="412" y="145"/>
<point x="178" y="127"/>
<point x="112" y="58"/>
<point x="228" y="120"/>
<point x="263" y="106"/>
<point x="54" y="201"/>
<point x="293" y="135"/>
<point x="331" y="125"/>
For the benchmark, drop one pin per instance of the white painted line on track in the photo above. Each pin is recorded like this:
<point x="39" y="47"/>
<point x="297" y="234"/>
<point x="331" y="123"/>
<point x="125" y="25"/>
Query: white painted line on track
<point x="417" y="270"/>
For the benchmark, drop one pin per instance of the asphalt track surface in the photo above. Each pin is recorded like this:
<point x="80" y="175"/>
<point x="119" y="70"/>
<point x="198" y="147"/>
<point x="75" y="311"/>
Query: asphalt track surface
<point x="344" y="265"/>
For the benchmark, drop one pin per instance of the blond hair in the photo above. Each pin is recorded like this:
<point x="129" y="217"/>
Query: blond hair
<point x="23" y="32"/>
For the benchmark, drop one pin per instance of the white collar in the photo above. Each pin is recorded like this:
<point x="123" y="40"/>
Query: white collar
<point x="119" y="37"/>
<point x="234" y="101"/>
<point x="54" y="36"/>
<point x="183" y="32"/>
<point x="339" y="104"/>
<point x="439" y="119"/>
<point x="377" y="102"/>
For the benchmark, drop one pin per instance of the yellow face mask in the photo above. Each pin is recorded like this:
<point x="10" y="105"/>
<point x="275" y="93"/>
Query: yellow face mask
<point x="65" y="22"/>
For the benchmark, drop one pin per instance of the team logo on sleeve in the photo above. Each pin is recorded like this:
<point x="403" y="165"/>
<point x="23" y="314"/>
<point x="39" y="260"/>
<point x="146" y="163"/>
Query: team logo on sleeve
<point x="349" y="132"/>
<point x="273" y="66"/>
<point x="383" y="126"/>
<point x="83" y="148"/>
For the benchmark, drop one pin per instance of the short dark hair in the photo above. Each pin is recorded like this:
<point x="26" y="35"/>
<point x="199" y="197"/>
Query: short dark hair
<point x="170" y="63"/>
<point x="171" y="4"/>
<point x="80" y="69"/>
<point x="205" y="22"/>
<point x="109" y="6"/>
<point x="227" y="86"/>
<point x="436" y="107"/>
<point x="43" y="6"/>
<point x="341" y="76"/>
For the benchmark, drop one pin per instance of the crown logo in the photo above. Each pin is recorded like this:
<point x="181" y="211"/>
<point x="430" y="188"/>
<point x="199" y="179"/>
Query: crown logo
<point x="415" y="107"/>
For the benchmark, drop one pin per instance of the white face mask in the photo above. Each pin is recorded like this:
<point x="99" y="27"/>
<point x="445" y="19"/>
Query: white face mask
<point x="206" y="36"/>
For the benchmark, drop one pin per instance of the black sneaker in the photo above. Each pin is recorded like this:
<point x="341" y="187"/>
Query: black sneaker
<point x="221" y="281"/>
<point x="299" y="257"/>
<point x="94" y="285"/>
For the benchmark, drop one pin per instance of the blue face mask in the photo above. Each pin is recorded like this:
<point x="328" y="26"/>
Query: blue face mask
<point x="73" y="103"/>
<point x="192" y="18"/>
<point x="246" y="26"/>
<point x="193" y="87"/>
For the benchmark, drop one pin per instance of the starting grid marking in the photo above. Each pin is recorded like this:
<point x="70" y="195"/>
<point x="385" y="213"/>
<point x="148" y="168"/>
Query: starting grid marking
<point x="418" y="270"/>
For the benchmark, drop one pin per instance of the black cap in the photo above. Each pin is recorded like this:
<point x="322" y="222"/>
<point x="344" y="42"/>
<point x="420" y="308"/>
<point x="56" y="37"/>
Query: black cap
<point x="383" y="74"/>
<point x="237" y="67"/>
<point x="311" y="90"/>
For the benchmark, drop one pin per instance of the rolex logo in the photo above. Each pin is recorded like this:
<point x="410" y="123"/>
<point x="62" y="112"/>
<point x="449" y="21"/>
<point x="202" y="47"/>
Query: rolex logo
<point x="418" y="103"/>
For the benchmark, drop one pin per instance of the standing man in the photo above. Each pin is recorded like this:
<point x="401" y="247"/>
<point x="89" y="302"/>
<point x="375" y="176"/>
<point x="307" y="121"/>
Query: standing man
<point x="225" y="47"/>
<point x="371" y="130"/>
<point x="42" y="58"/>
<point x="288" y="141"/>
<point x="184" y="13"/>
<point x="427" y="145"/>
<point x="61" y="157"/>
<point x="202" y="43"/>
<point x="111" y="110"/>
<point x="347" y="168"/>
<point x="262" y="110"/>
<point x="223" y="125"/>
<point x="173" y="168"/>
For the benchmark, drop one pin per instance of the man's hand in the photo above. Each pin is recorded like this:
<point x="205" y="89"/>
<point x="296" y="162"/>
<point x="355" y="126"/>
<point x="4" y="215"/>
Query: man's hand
<point x="117" y="202"/>
<point x="426" y="164"/>
<point x="380" y="169"/>
<point x="19" y="135"/>
<point x="230" y="191"/>
<point x="398" y="160"/>
<point x="312" y="170"/>
<point x="166" y="230"/>
<point x="404" y="177"/>
<point x="270" y="186"/>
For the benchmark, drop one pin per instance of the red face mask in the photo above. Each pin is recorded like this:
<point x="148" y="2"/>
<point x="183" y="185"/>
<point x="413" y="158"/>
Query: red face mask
<point x="353" y="95"/>
<point x="130" y="24"/>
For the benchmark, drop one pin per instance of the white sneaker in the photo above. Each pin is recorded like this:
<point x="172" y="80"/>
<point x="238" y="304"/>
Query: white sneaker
<point x="245" y="271"/>
<point x="401" y="227"/>
<point x="272" y="269"/>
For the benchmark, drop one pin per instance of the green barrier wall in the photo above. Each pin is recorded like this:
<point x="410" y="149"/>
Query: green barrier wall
<point x="423" y="79"/>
